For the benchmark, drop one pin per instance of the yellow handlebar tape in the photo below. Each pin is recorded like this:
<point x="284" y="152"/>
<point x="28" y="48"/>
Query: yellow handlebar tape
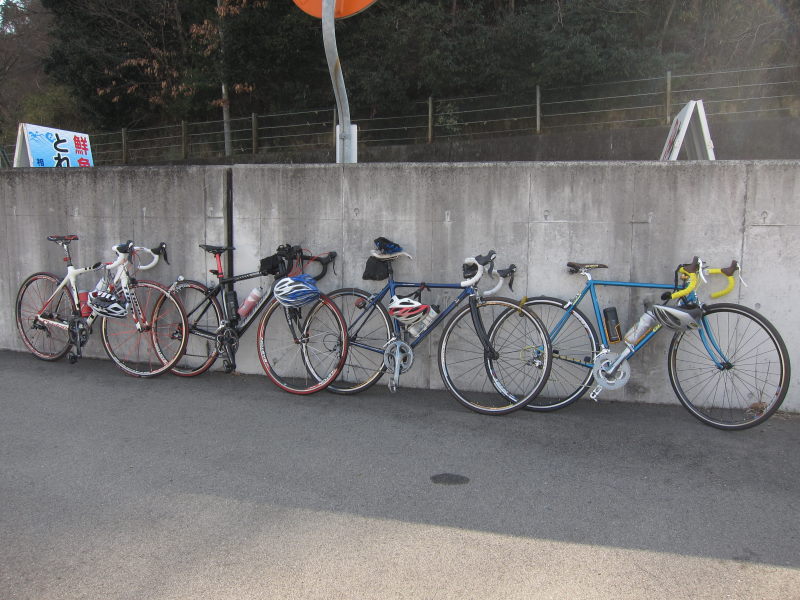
<point x="728" y="289"/>
<point x="689" y="288"/>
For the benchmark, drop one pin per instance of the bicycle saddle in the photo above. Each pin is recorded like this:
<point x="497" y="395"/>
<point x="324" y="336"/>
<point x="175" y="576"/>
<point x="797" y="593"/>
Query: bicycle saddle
<point x="61" y="239"/>
<point x="216" y="249"/>
<point x="392" y="256"/>
<point x="578" y="267"/>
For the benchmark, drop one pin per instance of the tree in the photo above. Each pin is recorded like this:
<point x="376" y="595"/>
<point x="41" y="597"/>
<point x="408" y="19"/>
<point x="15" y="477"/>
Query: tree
<point x="147" y="62"/>
<point x="130" y="62"/>
<point x="23" y="46"/>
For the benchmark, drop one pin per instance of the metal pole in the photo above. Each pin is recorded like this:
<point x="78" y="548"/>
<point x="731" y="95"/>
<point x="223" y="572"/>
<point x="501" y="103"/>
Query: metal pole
<point x="669" y="96"/>
<point x="538" y="109"/>
<point x="184" y="140"/>
<point x="254" y="120"/>
<point x="226" y="108"/>
<point x="346" y="148"/>
<point x="124" y="146"/>
<point x="430" y="119"/>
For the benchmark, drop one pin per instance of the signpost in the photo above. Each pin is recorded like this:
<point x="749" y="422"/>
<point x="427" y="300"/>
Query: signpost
<point x="329" y="11"/>
<point x="344" y="8"/>
<point x="39" y="146"/>
<point x="690" y="120"/>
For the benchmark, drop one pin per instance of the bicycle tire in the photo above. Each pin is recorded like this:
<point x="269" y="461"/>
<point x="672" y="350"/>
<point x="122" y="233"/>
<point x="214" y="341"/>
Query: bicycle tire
<point x="574" y="350"/>
<point x="750" y="387"/>
<point x="284" y="356"/>
<point x="44" y="341"/>
<point x="363" y="367"/>
<point x="501" y="385"/>
<point x="204" y="315"/>
<point x="154" y="348"/>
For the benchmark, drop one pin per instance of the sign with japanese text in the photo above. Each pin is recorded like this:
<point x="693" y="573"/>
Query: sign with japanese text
<point x="39" y="146"/>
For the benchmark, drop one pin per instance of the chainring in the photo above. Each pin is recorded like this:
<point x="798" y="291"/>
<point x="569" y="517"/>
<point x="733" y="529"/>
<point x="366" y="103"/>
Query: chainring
<point x="604" y="379"/>
<point x="227" y="338"/>
<point x="395" y="349"/>
<point x="78" y="332"/>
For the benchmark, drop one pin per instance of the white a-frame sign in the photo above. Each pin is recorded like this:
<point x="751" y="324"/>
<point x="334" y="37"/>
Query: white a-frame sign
<point x="690" y="121"/>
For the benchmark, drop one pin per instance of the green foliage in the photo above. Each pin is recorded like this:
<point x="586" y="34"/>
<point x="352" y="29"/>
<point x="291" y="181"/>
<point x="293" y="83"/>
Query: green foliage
<point x="142" y="62"/>
<point x="52" y="105"/>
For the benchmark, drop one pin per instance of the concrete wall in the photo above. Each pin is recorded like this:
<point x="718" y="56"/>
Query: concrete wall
<point x="640" y="218"/>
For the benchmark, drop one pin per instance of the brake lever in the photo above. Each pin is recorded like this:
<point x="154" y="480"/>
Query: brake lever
<point x="161" y="250"/>
<point x="740" y="276"/>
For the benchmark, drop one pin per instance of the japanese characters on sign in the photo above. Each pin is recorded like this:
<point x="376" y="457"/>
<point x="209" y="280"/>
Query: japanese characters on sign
<point x="39" y="146"/>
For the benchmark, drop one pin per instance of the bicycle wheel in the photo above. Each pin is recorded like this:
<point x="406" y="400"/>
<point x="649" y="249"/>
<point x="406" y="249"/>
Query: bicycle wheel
<point x="204" y="315"/>
<point x="46" y="339"/>
<point x="369" y="329"/>
<point x="503" y="383"/>
<point x="743" y="380"/>
<point x="302" y="349"/>
<point x="574" y="349"/>
<point x="148" y="341"/>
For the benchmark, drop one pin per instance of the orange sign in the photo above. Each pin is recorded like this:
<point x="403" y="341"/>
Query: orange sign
<point x="344" y="8"/>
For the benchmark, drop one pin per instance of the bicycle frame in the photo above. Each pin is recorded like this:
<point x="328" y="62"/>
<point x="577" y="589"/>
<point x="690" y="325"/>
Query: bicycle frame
<point x="391" y="288"/>
<point x="713" y="349"/>
<point x="225" y="285"/>
<point x="79" y="327"/>
<point x="232" y="326"/>
<point x="71" y="282"/>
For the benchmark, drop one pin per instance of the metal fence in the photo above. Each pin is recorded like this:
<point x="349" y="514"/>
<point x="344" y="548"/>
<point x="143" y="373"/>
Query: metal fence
<point x="752" y="92"/>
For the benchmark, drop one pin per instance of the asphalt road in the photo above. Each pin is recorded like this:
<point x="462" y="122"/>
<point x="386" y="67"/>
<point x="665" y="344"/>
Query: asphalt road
<point x="222" y="487"/>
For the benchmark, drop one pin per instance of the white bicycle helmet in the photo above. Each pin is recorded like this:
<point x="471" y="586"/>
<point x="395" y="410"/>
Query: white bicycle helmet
<point x="296" y="291"/>
<point x="407" y="310"/>
<point x="680" y="319"/>
<point x="106" y="305"/>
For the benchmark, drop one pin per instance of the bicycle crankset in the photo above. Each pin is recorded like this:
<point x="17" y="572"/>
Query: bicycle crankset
<point x="78" y="336"/>
<point x="607" y="380"/>
<point x="397" y="358"/>
<point x="228" y="345"/>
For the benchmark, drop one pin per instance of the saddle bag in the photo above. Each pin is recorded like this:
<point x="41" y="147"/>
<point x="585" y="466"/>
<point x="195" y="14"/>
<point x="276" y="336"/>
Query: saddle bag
<point x="376" y="270"/>
<point x="272" y="265"/>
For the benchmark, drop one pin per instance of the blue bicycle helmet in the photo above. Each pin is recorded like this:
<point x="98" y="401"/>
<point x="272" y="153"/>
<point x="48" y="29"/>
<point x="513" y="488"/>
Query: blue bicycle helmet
<point x="387" y="246"/>
<point x="296" y="291"/>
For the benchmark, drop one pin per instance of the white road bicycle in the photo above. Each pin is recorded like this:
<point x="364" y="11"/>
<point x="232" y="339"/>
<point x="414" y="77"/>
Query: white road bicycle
<point x="55" y="320"/>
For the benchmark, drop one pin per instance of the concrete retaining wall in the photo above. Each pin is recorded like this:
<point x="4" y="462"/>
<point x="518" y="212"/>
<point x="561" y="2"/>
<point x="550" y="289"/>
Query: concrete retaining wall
<point x="640" y="218"/>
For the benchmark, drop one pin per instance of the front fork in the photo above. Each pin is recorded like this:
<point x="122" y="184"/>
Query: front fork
<point x="489" y="353"/>
<point x="293" y="316"/>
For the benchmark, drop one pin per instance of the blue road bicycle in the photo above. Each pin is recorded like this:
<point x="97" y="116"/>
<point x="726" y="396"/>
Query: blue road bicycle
<point x="494" y="355"/>
<point x="727" y="364"/>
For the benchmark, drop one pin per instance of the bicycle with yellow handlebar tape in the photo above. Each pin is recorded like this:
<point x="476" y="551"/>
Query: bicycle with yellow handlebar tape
<point x="727" y="364"/>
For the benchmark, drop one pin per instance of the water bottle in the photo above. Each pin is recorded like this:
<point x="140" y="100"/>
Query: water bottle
<point x="252" y="299"/>
<point x="83" y="299"/>
<point x="643" y="326"/>
<point x="418" y="328"/>
<point x="232" y="304"/>
<point x="612" y="324"/>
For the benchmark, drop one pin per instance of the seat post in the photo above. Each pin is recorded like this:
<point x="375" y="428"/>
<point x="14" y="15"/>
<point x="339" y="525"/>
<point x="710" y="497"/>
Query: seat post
<point x="67" y="255"/>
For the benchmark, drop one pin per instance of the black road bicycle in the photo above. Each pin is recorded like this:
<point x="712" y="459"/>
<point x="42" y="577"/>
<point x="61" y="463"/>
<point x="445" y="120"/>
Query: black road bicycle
<point x="217" y="322"/>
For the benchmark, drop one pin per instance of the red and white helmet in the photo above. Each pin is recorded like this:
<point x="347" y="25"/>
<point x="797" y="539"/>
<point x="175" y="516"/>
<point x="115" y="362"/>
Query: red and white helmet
<point x="407" y="310"/>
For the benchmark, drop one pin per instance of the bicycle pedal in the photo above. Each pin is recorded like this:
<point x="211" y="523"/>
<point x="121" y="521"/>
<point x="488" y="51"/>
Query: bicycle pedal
<point x="596" y="392"/>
